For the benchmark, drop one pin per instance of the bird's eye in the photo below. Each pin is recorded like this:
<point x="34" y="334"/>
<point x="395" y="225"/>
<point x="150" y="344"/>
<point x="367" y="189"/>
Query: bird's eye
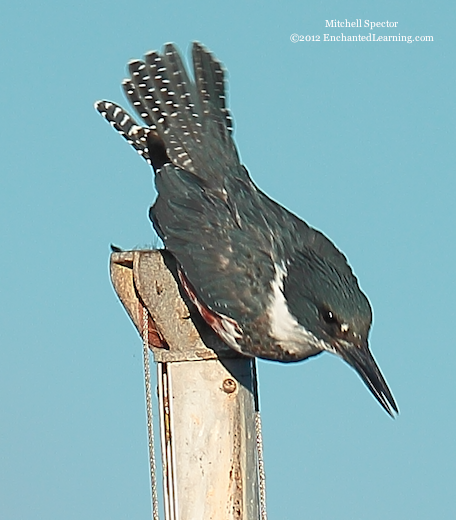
<point x="328" y="316"/>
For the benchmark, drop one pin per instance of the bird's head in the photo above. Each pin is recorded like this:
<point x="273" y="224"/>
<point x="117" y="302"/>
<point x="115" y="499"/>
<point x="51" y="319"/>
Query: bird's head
<point x="327" y="301"/>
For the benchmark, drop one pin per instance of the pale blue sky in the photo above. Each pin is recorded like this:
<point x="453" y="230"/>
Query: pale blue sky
<point x="356" y="138"/>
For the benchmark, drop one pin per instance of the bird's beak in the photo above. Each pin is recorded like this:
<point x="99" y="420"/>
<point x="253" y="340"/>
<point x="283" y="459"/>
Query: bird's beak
<point x="361" y="359"/>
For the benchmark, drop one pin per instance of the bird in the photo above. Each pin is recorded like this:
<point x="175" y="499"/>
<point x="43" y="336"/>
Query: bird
<point x="268" y="284"/>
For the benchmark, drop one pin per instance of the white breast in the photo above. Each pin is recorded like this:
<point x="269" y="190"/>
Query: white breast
<point x="284" y="327"/>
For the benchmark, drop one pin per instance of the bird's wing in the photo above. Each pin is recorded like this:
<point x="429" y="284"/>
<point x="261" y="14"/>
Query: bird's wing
<point x="224" y="253"/>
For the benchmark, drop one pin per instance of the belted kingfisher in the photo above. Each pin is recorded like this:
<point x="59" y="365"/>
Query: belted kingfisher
<point x="266" y="282"/>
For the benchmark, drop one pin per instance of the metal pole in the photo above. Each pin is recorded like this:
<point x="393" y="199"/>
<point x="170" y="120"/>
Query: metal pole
<point x="207" y="398"/>
<point x="209" y="440"/>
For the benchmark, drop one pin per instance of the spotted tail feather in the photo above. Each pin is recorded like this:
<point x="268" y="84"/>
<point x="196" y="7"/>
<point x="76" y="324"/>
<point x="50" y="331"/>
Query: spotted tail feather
<point x="127" y="127"/>
<point x="210" y="81"/>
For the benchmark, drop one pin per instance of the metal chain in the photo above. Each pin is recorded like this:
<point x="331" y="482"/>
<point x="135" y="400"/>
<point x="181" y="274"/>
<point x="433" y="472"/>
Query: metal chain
<point x="261" y="474"/>
<point x="150" y="422"/>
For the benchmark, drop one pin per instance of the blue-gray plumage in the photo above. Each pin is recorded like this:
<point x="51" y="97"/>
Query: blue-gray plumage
<point x="269" y="285"/>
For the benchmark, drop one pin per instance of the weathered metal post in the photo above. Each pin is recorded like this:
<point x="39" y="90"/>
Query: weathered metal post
<point x="207" y="397"/>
